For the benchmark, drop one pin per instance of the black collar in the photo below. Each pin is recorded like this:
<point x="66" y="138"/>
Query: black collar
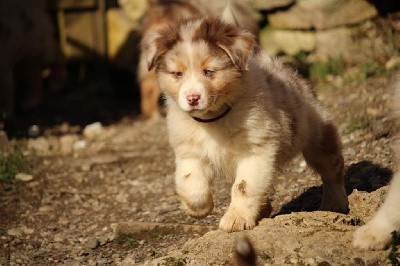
<point x="210" y="120"/>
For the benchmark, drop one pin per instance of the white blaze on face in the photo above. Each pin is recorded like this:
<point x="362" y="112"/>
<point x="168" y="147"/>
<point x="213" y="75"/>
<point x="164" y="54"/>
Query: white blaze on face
<point x="193" y="94"/>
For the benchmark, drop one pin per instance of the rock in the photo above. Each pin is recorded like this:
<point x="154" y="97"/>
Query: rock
<point x="103" y="240"/>
<point x="309" y="14"/>
<point x="80" y="145"/>
<point x="24" y="177"/>
<point x="93" y="130"/>
<point x="93" y="243"/>
<point x="67" y="143"/>
<point x="103" y="262"/>
<point x="271" y="4"/>
<point x="334" y="42"/>
<point x="275" y="41"/>
<point x="27" y="230"/>
<point x="390" y="64"/>
<point x="33" y="131"/>
<point x="59" y="238"/>
<point x="14" y="232"/>
<point x="41" y="145"/>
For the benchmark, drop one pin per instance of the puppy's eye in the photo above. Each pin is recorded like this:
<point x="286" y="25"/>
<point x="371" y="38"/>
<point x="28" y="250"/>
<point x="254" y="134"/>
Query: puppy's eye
<point x="208" y="72"/>
<point x="177" y="74"/>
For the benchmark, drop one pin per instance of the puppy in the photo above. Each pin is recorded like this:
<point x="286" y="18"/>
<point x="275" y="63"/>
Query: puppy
<point x="161" y="13"/>
<point x="376" y="234"/>
<point x="235" y="112"/>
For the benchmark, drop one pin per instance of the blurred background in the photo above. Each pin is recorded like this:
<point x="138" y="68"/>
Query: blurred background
<point x="65" y="64"/>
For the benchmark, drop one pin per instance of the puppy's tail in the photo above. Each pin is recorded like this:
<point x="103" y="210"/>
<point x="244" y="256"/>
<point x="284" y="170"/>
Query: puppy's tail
<point x="244" y="253"/>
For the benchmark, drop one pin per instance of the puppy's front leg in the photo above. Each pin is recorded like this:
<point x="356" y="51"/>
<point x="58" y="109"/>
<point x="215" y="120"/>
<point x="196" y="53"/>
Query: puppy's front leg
<point x="248" y="193"/>
<point x="192" y="185"/>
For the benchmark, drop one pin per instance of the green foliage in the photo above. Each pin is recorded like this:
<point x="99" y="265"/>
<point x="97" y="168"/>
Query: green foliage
<point x="171" y="261"/>
<point x="320" y="70"/>
<point x="157" y="234"/>
<point x="127" y="240"/>
<point x="12" y="163"/>
<point x="131" y="241"/>
<point x="359" y="123"/>
<point x="368" y="69"/>
<point x="394" y="254"/>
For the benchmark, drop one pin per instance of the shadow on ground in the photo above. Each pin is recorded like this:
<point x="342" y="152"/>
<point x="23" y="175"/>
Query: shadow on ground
<point x="363" y="176"/>
<point x="95" y="98"/>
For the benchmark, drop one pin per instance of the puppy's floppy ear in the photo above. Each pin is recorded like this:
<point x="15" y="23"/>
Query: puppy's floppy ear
<point x="155" y="44"/>
<point x="239" y="45"/>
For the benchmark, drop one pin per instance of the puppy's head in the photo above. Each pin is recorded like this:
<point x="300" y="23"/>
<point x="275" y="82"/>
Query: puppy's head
<point x="199" y="63"/>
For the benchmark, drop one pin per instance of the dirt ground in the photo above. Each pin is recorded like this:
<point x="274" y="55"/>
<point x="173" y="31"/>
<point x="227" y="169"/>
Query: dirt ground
<point x="105" y="196"/>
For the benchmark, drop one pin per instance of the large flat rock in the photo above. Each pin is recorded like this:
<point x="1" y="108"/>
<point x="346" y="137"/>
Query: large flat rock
<point x="301" y="238"/>
<point x="309" y="14"/>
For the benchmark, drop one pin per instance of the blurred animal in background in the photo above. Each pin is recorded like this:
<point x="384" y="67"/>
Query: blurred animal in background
<point x="376" y="234"/>
<point x="161" y="13"/>
<point x="29" y="54"/>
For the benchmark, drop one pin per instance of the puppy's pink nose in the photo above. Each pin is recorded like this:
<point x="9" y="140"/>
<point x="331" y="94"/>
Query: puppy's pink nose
<point x="193" y="99"/>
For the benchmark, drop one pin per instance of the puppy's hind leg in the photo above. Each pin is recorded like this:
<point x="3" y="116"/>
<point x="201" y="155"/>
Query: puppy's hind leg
<point x="324" y="154"/>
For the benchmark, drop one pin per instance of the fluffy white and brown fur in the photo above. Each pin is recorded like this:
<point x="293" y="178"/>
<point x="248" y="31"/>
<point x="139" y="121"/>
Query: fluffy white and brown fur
<point x="161" y="13"/>
<point x="376" y="234"/>
<point x="259" y="113"/>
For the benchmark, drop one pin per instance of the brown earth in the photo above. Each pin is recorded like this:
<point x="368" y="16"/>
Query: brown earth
<point x="107" y="197"/>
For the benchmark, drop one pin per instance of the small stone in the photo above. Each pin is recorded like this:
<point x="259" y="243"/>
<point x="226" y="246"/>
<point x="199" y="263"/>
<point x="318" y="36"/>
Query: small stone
<point x="86" y="167"/>
<point x="82" y="252"/>
<point x="41" y="145"/>
<point x="27" y="231"/>
<point x="33" y="131"/>
<point x="93" y="243"/>
<point x="80" y="145"/>
<point x="93" y="130"/>
<point x="58" y="238"/>
<point x="392" y="62"/>
<point x="103" y="240"/>
<point x="102" y="262"/>
<point x="67" y="143"/>
<point x="52" y="227"/>
<point x="23" y="177"/>
<point x="14" y="232"/>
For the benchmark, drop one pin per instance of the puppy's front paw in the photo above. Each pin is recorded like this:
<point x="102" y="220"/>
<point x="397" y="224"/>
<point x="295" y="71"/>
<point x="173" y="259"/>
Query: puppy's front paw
<point x="199" y="208"/>
<point x="235" y="220"/>
<point x="371" y="236"/>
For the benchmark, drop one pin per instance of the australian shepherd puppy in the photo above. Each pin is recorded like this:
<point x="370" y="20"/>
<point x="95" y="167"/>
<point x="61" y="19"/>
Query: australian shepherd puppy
<point x="376" y="234"/>
<point x="235" y="112"/>
<point x="161" y="13"/>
